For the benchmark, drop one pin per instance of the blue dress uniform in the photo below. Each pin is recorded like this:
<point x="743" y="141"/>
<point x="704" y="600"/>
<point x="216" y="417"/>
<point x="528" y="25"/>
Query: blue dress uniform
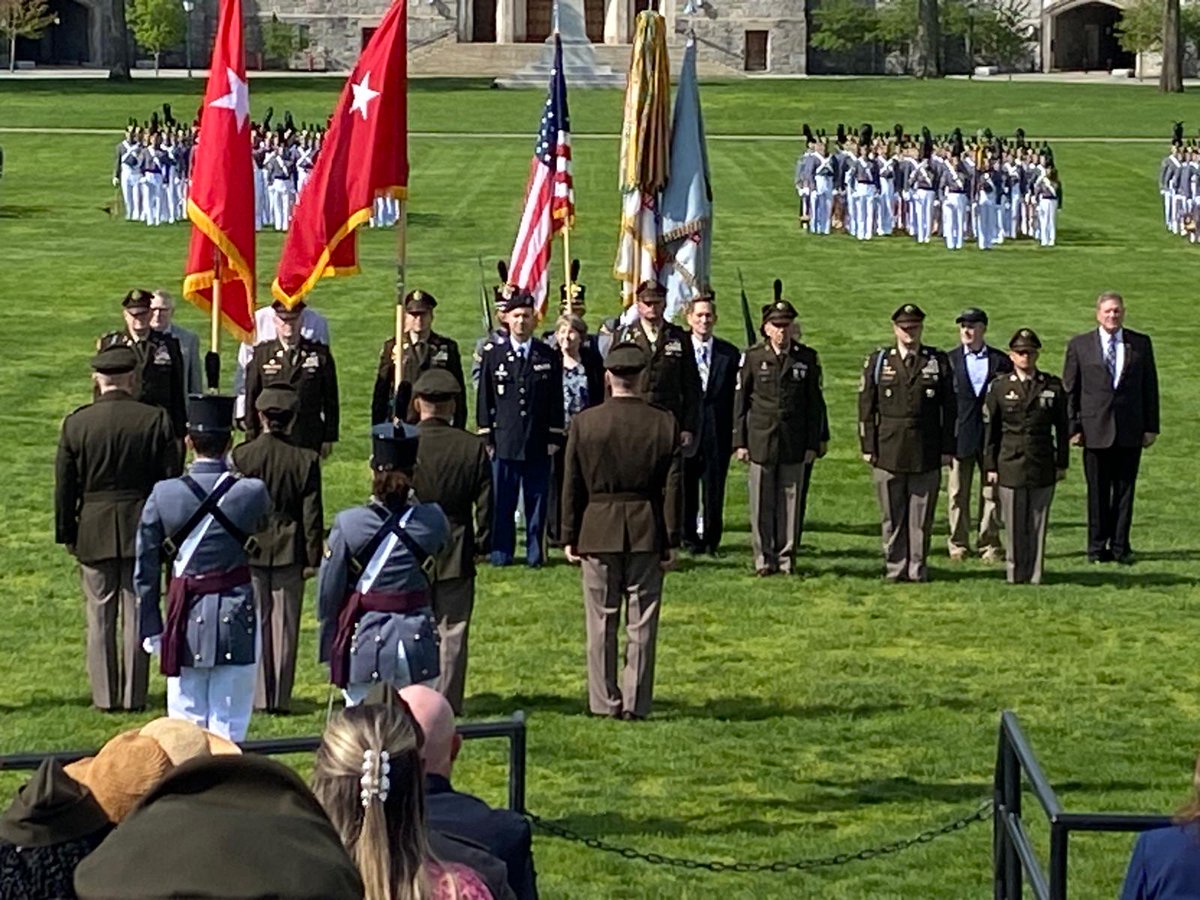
<point x="374" y="597"/>
<point x="520" y="413"/>
<point x="209" y="640"/>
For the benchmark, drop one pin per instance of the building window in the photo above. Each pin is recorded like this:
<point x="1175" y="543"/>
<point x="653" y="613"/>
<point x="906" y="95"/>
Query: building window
<point x="755" y="59"/>
<point x="367" y="34"/>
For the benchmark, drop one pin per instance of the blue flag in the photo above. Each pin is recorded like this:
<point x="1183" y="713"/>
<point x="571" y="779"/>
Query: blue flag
<point x="687" y="199"/>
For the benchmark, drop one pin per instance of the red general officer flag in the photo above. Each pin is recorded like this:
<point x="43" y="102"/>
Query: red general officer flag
<point x="364" y="154"/>
<point x="221" y="197"/>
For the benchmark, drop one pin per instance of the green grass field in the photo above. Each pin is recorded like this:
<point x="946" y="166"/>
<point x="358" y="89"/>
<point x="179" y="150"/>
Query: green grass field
<point x="793" y="718"/>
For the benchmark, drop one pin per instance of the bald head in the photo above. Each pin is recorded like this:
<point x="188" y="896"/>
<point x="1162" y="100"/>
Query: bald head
<point x="436" y="719"/>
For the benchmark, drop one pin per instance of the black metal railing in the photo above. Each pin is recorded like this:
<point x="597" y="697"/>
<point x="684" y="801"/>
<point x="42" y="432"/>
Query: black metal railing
<point x="1014" y="860"/>
<point x="512" y="728"/>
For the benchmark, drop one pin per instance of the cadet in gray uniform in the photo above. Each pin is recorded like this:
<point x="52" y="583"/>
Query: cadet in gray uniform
<point x="202" y="522"/>
<point x="375" y="584"/>
<point x="1026" y="452"/>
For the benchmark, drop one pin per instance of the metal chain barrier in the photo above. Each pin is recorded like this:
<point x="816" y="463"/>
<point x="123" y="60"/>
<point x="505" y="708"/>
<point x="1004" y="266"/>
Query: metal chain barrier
<point x="981" y="814"/>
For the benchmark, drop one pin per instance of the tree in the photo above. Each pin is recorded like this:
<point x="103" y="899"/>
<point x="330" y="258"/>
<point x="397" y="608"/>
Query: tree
<point x="928" y="58"/>
<point x="1171" y="78"/>
<point x="157" y="25"/>
<point x="24" y="18"/>
<point x="282" y="41"/>
<point x="118" y="44"/>
<point x="1140" y="27"/>
<point x="896" y="26"/>
<point x="1002" y="33"/>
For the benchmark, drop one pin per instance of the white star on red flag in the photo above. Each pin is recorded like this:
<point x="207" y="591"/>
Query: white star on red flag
<point x="362" y="95"/>
<point x="238" y="98"/>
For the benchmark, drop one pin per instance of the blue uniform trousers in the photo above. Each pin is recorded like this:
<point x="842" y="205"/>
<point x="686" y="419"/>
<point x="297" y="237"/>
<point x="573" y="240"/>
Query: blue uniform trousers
<point x="511" y="477"/>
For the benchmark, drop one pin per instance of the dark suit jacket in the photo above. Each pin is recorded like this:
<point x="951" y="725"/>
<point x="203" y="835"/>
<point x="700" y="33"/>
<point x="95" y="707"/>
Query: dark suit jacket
<point x="1106" y="416"/>
<point x="295" y="527"/>
<point x="110" y="455"/>
<point x="504" y="833"/>
<point x="716" y="429"/>
<point x="314" y="377"/>
<point x="1165" y="865"/>
<point x="610" y="505"/>
<point x="453" y="470"/>
<point x="457" y="849"/>
<point x="969" y="426"/>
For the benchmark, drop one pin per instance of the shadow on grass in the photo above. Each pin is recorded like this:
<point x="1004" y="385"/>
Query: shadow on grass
<point x="23" y="212"/>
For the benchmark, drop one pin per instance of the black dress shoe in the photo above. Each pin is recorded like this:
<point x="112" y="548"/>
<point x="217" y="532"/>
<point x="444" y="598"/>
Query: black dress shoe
<point x="1125" y="559"/>
<point x="628" y="716"/>
<point x="1104" y="556"/>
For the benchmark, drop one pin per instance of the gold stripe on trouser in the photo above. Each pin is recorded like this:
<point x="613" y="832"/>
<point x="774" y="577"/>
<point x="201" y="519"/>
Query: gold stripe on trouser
<point x="453" y="600"/>
<point x="609" y="579"/>
<point x="959" y="496"/>
<point x="278" y="599"/>
<point x="118" y="679"/>
<point x="1026" y="512"/>
<point x="775" y="514"/>
<point x="907" y="502"/>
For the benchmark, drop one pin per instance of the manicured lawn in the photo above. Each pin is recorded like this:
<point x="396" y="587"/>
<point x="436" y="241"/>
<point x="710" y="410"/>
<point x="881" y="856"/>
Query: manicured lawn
<point x="793" y="718"/>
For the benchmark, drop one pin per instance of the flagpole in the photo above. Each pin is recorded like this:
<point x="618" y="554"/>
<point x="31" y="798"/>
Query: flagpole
<point x="212" y="360"/>
<point x="566" y="236"/>
<point x="401" y="255"/>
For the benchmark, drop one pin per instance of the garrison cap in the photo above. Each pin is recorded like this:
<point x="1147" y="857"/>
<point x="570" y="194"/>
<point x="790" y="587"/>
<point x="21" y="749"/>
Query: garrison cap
<point x="419" y="301"/>
<point x="909" y="312"/>
<point x="972" y="315"/>
<point x="781" y="312"/>
<point x="651" y="291"/>
<point x="282" y="309"/>
<point x="394" y="447"/>
<point x="626" y="358"/>
<point x="1025" y="339"/>
<point x="279" y="396"/>
<point x="114" y="360"/>
<point x="236" y="827"/>
<point x="437" y="384"/>
<point x="137" y="299"/>
<point x="210" y="414"/>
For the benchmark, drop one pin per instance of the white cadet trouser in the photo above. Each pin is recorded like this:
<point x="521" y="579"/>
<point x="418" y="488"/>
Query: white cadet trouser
<point x="1047" y="214"/>
<point x="219" y="699"/>
<point x="1012" y="214"/>
<point x="954" y="213"/>
<point x="922" y="227"/>
<point x="822" y="205"/>
<point x="301" y="179"/>
<point x="279" y="196"/>
<point x="1168" y="209"/>
<point x="985" y="223"/>
<point x="262" y="215"/>
<point x="131" y="193"/>
<point x="152" y="198"/>
<point x="863" y="201"/>
<point x="887" y="203"/>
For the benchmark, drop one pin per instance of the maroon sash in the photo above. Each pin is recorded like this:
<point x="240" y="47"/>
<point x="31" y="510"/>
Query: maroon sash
<point x="179" y="599"/>
<point x="371" y="601"/>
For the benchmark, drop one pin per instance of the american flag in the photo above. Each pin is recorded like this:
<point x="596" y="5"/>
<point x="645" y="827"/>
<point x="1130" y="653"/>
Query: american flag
<point x="550" y="194"/>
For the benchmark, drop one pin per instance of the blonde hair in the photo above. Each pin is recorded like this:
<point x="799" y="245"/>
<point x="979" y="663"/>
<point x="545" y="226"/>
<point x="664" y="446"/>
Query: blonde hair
<point x="383" y="831"/>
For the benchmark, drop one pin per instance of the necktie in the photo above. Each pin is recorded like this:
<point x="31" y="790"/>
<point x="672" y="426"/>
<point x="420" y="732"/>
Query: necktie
<point x="910" y="363"/>
<point x="702" y="365"/>
<point x="1110" y="357"/>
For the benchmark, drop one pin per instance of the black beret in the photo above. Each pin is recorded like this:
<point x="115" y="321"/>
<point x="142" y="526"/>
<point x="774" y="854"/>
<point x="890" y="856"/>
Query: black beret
<point x="437" y="383"/>
<point x="394" y="447"/>
<point x="908" y="312"/>
<point x="115" y="360"/>
<point x="626" y="358"/>
<point x="1025" y="339"/>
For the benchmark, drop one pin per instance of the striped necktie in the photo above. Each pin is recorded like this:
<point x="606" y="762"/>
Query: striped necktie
<point x="1110" y="357"/>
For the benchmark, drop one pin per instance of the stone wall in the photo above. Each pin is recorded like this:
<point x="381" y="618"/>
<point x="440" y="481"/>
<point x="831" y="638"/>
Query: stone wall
<point x="721" y="27"/>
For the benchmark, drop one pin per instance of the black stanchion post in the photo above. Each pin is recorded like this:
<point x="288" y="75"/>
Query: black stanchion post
<point x="516" y="764"/>
<point x="1000" y="842"/>
<point x="1059" y="834"/>
<point x="1012" y="803"/>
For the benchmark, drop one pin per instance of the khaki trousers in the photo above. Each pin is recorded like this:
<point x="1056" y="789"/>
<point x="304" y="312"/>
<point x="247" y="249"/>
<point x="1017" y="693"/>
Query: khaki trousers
<point x="453" y="600"/>
<point x="278" y="596"/>
<point x="907" y="502"/>
<point x="118" y="681"/>
<point x="962" y="474"/>
<point x="1026" y="512"/>
<point x="775" y="512"/>
<point x="609" y="578"/>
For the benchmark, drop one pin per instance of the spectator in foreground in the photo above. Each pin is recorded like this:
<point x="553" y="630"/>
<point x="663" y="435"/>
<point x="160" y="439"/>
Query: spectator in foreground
<point x="368" y="779"/>
<point x="1166" y="861"/>
<point x="503" y="833"/>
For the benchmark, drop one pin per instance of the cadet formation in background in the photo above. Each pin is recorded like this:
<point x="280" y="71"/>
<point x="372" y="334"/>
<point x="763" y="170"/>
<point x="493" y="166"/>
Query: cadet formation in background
<point x="618" y="443"/>
<point x="989" y="189"/>
<point x="1179" y="185"/>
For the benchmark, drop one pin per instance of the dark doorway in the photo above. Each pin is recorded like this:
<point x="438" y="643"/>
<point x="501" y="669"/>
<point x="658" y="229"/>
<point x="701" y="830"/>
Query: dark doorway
<point x="756" y="51"/>
<point x="483" y="21"/>
<point x="64" y="44"/>
<point x="1085" y="38"/>
<point x="367" y="34"/>
<point x="593" y="14"/>
<point x="539" y="20"/>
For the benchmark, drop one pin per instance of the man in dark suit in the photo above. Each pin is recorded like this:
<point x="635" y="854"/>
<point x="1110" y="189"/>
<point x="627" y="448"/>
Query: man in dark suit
<point x="621" y="522"/>
<point x="973" y="365"/>
<point x="1112" y="399"/>
<point x="309" y="368"/>
<point x="670" y="380"/>
<point x="520" y="414"/>
<point x="424" y="349"/>
<point x="706" y="471"/>
<point x="288" y="549"/>
<point x="110" y="455"/>
<point x="503" y="833"/>
<point x="454" y="472"/>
